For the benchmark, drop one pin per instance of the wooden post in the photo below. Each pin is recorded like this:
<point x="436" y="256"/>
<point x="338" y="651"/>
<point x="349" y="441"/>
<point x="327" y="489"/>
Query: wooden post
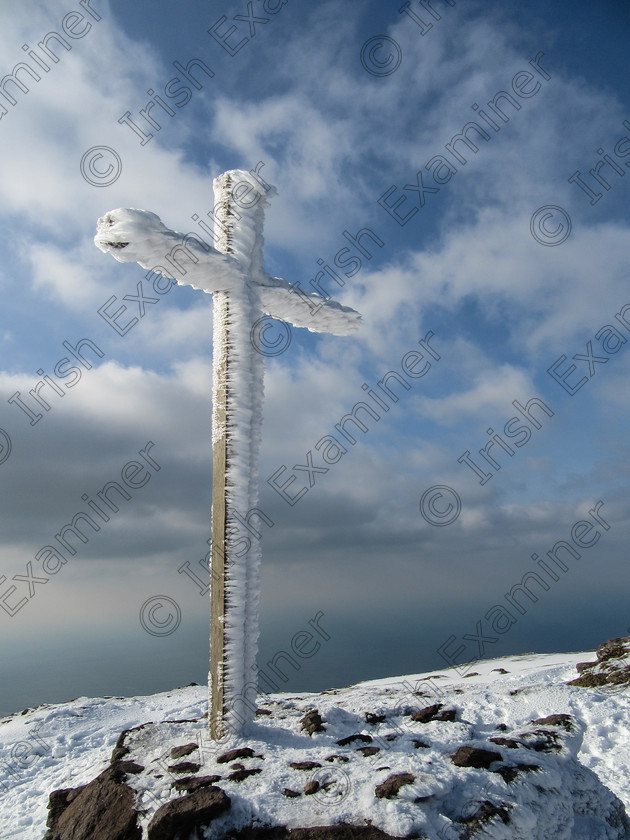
<point x="220" y="414"/>
<point x="236" y="432"/>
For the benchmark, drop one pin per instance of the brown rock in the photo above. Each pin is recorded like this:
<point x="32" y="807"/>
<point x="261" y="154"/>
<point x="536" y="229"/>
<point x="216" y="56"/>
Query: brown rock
<point x="434" y="712"/>
<point x="510" y="743"/>
<point x="233" y="755"/>
<point x="188" y="813"/>
<point x="312" y="722"/>
<point x="185" y="767"/>
<point x="374" y="719"/>
<point x="311" y="787"/>
<point x="475" y="757"/>
<point x="368" y="751"/>
<point x="390" y="787"/>
<point x="292" y="794"/>
<point x="101" y="810"/>
<point x="557" y="720"/>
<point x="367" y="739"/>
<point x="181" y="752"/>
<point x="305" y="765"/>
<point x="241" y="775"/>
<point x="193" y="783"/>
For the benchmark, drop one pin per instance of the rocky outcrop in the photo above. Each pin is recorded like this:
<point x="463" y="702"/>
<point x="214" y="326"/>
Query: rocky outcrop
<point x="104" y="809"/>
<point x="612" y="667"/>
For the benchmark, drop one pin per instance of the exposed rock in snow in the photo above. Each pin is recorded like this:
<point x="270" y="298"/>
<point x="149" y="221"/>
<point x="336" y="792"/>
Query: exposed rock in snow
<point x="527" y="756"/>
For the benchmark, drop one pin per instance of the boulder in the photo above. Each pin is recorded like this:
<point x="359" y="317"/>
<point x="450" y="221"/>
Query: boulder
<point x="188" y="813"/>
<point x="101" y="810"/>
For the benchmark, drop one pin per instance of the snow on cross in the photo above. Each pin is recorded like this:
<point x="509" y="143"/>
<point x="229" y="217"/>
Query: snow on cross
<point x="242" y="290"/>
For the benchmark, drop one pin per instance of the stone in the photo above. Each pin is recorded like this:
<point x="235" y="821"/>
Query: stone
<point x="312" y="722"/>
<point x="101" y="810"/>
<point x="241" y="775"/>
<point x="311" y="787"/>
<point x="193" y="783"/>
<point x="184" y="767"/>
<point x="374" y="719"/>
<point x="188" y="814"/>
<point x="430" y="713"/>
<point x="305" y="765"/>
<point x="181" y="752"/>
<point x="343" y="742"/>
<point x="368" y="751"/>
<point x="475" y="757"/>
<point x="390" y="787"/>
<point x="557" y="720"/>
<point x="233" y="755"/>
<point x="510" y="743"/>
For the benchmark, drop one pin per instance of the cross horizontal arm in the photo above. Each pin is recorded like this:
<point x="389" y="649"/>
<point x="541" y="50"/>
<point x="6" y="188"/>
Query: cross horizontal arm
<point x="131" y="235"/>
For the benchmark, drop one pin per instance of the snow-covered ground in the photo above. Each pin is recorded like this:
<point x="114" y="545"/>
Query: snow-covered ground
<point x="67" y="745"/>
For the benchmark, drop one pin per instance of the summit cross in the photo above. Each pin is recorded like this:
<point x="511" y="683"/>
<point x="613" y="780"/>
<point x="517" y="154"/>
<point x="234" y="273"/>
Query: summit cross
<point x="243" y="293"/>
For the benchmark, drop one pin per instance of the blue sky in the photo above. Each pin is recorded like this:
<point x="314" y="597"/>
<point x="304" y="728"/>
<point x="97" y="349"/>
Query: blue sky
<point x="503" y="306"/>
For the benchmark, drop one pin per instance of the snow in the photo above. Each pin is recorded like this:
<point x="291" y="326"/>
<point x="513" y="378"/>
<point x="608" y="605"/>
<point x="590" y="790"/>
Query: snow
<point x="66" y="745"/>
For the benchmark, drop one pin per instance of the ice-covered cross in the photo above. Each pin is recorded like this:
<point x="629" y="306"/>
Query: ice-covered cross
<point x="243" y="291"/>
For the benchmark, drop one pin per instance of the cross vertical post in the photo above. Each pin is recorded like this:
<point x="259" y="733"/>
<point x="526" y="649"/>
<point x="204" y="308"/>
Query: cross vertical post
<point x="236" y="425"/>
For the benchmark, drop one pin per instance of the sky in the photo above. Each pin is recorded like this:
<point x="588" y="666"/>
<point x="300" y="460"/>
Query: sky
<point x="471" y="158"/>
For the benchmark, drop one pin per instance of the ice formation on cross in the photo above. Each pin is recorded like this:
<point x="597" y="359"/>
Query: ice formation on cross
<point x="242" y="290"/>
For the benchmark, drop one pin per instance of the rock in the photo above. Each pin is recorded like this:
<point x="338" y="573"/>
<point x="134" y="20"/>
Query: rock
<point x="312" y="722"/>
<point x="374" y="719"/>
<point x="390" y="787"/>
<point x="611" y="668"/>
<point x="335" y="757"/>
<point x="541" y="740"/>
<point x="305" y="765"/>
<point x="101" y="810"/>
<point x="311" y="787"/>
<point x="510" y="743"/>
<point x="434" y="712"/>
<point x="486" y="812"/>
<point x="613" y="649"/>
<point x="339" y="831"/>
<point x="475" y="757"/>
<point x="368" y="751"/>
<point x="232" y="755"/>
<point x="188" y="813"/>
<point x="367" y="739"/>
<point x="184" y="767"/>
<point x="472" y="674"/>
<point x="557" y="720"/>
<point x="120" y="750"/>
<point x="193" y="783"/>
<point x="501" y="670"/>
<point x="237" y="766"/>
<point x="241" y="775"/>
<point x="508" y="774"/>
<point x="420" y="745"/>
<point x="181" y="752"/>
<point x="291" y="794"/>
<point x="261" y="712"/>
